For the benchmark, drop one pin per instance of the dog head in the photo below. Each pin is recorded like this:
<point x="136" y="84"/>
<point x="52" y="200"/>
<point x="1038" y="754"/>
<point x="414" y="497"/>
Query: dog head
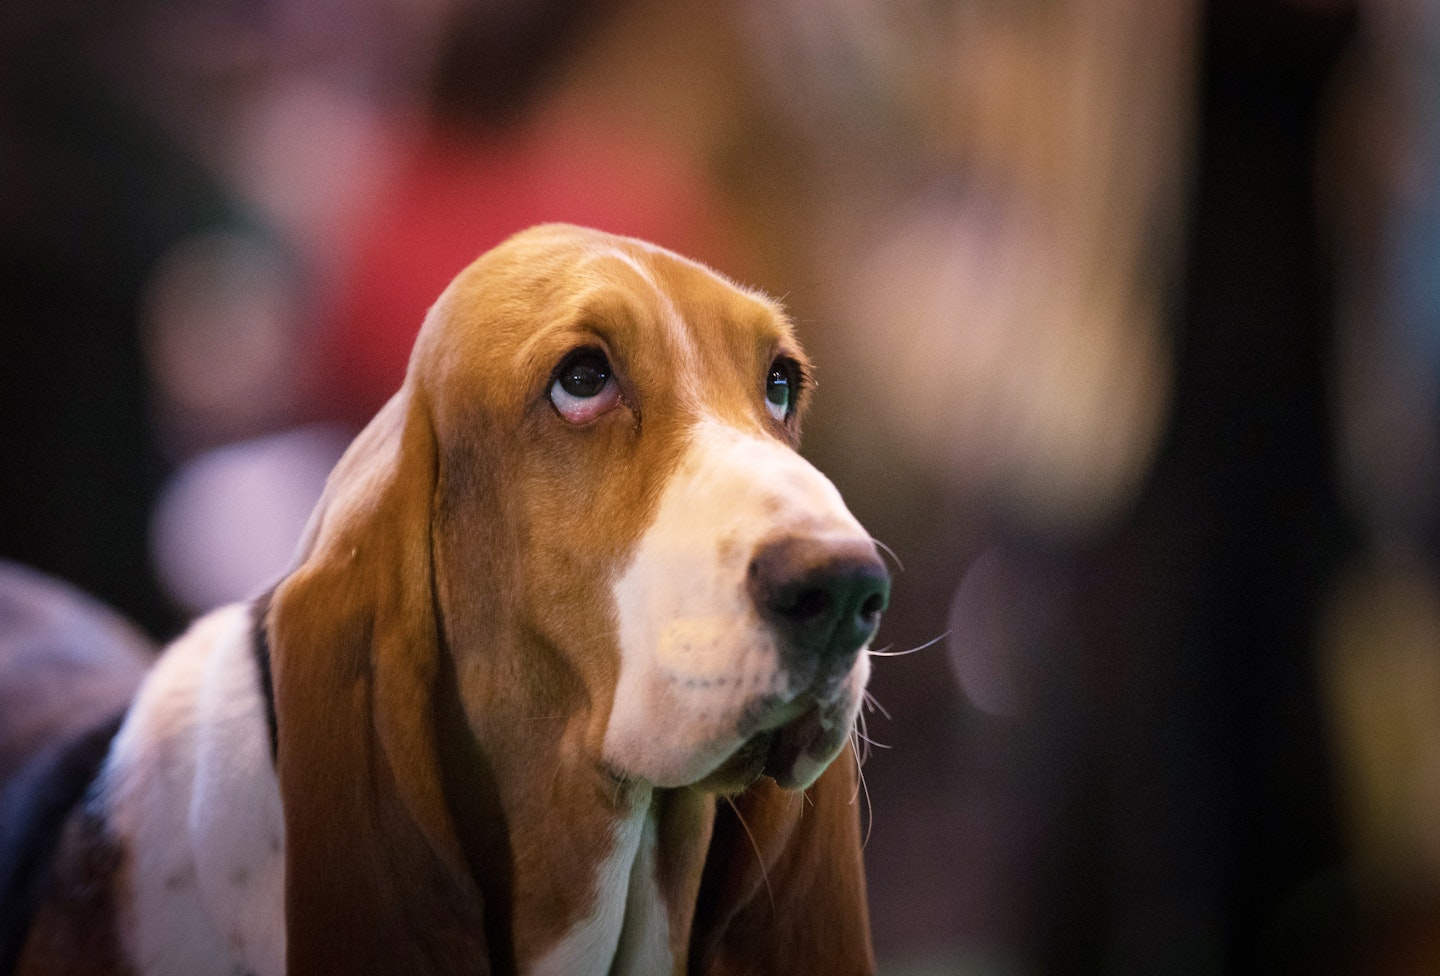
<point x="615" y="432"/>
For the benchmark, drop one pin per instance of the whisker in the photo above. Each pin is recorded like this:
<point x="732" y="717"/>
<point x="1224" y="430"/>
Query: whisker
<point x="555" y="778"/>
<point x="858" y="764"/>
<point x="886" y="652"/>
<point x="869" y="808"/>
<point x="874" y="703"/>
<point x="871" y="743"/>
<point x="764" y="874"/>
<point x="889" y="552"/>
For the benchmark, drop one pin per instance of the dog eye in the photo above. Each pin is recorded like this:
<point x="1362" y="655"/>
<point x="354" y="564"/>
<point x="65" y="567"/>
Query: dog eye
<point x="780" y="388"/>
<point x="583" y="387"/>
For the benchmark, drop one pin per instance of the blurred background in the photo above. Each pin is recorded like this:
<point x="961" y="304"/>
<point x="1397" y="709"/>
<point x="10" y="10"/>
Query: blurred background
<point x="1127" y="320"/>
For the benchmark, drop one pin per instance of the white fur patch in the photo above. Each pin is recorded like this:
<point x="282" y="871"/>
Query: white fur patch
<point x="627" y="936"/>
<point x="237" y="824"/>
<point x="695" y="655"/>
<point x="191" y="795"/>
<point x="645" y="940"/>
<point x="681" y="349"/>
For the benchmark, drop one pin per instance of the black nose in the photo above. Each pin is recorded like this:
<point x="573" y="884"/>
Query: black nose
<point x="823" y="597"/>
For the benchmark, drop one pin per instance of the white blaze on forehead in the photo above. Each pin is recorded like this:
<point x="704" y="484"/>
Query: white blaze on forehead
<point x="683" y="352"/>
<point x="694" y="651"/>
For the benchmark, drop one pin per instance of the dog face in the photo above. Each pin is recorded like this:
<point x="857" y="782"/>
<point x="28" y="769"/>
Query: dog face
<point x="618" y="490"/>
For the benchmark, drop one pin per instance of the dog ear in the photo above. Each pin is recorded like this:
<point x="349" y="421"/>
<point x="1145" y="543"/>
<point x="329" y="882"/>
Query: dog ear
<point x="375" y="878"/>
<point x="783" y="890"/>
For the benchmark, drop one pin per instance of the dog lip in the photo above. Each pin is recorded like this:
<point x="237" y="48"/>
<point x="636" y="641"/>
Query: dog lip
<point x="792" y="742"/>
<point x="775" y="713"/>
<point x="773" y="740"/>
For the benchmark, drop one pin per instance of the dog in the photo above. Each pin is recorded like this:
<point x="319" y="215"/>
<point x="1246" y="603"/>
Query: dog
<point x="561" y="681"/>
<point x="68" y="669"/>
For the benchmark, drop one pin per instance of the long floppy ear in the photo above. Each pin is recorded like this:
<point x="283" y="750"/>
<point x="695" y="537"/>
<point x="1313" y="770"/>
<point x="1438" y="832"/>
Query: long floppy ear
<point x="375" y="880"/>
<point x="783" y="889"/>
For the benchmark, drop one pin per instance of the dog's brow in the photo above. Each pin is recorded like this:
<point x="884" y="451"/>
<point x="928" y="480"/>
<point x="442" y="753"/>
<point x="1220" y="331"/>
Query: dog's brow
<point x="686" y="355"/>
<point x="634" y="265"/>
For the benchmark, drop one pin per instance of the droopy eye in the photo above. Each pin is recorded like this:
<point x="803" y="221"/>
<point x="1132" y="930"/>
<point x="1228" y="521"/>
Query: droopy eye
<point x="780" y="388"/>
<point x="583" y="387"/>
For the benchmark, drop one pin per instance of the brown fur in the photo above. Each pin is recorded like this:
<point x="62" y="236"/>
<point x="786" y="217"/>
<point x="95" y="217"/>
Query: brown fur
<point x="74" y="932"/>
<point x="784" y="886"/>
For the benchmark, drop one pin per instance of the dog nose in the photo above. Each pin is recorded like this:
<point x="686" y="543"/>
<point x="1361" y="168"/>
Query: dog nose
<point x="824" y="597"/>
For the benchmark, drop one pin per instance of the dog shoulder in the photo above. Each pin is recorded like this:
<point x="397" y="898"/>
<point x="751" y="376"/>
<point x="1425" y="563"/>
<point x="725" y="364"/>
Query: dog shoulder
<point x="182" y="833"/>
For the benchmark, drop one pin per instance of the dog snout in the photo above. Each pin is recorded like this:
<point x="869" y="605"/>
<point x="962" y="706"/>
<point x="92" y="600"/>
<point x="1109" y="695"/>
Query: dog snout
<point x="823" y="597"/>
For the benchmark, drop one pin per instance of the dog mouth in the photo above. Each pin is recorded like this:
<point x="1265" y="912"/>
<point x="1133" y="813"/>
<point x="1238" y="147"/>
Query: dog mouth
<point x="790" y="746"/>
<point x="795" y="746"/>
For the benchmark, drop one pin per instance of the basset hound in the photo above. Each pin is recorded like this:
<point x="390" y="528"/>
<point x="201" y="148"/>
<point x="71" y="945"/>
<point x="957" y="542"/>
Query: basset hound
<point x="561" y="683"/>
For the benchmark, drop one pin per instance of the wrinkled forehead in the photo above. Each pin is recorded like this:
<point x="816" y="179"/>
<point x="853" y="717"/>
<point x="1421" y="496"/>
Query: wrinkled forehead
<point x="667" y="321"/>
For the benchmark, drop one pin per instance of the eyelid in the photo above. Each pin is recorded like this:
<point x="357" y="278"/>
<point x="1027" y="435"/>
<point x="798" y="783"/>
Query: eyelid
<point x="572" y="354"/>
<point x="581" y="410"/>
<point x="789" y="368"/>
<point x="798" y="371"/>
<point x="619" y="392"/>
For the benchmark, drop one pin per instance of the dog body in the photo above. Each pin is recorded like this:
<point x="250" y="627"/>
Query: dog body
<point x="555" y="686"/>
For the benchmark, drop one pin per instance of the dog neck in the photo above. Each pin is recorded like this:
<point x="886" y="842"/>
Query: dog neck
<point x="614" y="894"/>
<point x="580" y="871"/>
